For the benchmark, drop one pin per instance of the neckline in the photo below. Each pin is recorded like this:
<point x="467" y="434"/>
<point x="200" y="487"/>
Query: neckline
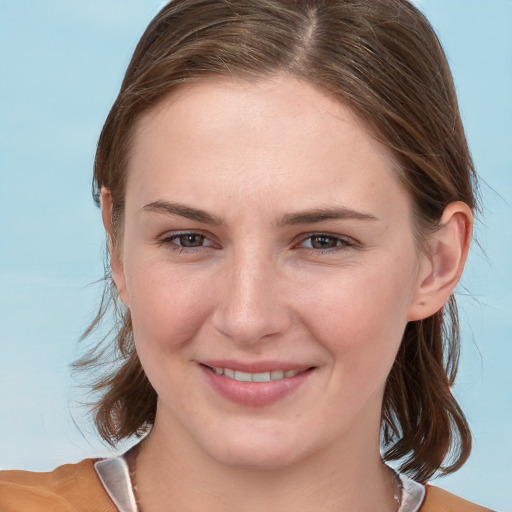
<point x="114" y="475"/>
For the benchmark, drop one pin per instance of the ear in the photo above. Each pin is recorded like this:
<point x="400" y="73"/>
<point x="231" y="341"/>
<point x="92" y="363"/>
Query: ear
<point x="442" y="267"/>
<point x="114" y="250"/>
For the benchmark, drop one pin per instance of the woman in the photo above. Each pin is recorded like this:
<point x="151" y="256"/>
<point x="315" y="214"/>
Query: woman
<point x="287" y="193"/>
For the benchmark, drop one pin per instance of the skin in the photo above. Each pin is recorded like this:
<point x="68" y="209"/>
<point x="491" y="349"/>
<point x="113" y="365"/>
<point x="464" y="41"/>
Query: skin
<point x="260" y="283"/>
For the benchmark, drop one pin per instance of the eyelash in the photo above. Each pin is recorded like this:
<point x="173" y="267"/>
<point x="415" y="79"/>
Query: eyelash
<point x="170" y="241"/>
<point x="342" y="243"/>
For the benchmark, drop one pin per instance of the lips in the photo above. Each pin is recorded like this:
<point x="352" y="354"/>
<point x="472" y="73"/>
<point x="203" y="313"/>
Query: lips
<point x="254" y="385"/>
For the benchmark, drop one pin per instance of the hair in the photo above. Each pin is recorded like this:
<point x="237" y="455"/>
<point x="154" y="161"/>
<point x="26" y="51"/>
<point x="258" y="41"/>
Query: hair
<point x="381" y="58"/>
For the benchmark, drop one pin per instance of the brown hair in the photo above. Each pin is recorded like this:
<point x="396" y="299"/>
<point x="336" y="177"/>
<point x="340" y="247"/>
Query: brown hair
<point x="383" y="59"/>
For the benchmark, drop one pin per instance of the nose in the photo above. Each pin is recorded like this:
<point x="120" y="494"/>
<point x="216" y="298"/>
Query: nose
<point x="251" y="301"/>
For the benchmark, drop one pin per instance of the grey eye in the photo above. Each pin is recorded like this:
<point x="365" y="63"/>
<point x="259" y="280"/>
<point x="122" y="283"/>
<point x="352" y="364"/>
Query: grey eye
<point x="190" y="240"/>
<point x="322" y="242"/>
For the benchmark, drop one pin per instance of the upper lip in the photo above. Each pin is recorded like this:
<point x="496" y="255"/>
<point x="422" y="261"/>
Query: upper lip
<point x="255" y="366"/>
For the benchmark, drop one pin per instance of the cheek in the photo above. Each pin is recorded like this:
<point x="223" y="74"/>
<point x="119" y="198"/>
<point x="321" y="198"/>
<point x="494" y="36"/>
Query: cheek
<point x="167" y="307"/>
<point x="361" y="314"/>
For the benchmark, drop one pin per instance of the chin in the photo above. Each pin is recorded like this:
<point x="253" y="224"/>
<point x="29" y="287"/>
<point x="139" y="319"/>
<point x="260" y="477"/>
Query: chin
<point x="255" y="452"/>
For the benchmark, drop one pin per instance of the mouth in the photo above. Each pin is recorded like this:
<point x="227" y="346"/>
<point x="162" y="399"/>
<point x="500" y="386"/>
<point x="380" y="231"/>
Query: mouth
<point x="266" y="384"/>
<point x="267" y="376"/>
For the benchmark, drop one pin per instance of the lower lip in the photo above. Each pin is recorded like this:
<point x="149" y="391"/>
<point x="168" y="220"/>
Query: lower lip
<point x="254" y="394"/>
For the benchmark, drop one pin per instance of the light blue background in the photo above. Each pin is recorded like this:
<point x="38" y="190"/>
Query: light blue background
<point x="61" y="64"/>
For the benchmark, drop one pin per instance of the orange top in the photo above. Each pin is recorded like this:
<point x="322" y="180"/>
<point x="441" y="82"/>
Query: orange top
<point x="69" y="488"/>
<point x="77" y="488"/>
<point x="439" y="500"/>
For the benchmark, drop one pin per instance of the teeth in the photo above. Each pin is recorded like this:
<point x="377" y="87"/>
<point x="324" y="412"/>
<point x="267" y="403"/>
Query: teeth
<point x="243" y="376"/>
<point x="260" y="377"/>
<point x="255" y="377"/>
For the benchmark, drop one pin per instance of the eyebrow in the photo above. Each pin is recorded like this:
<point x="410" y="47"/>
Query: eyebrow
<point x="306" y="217"/>
<point x="183" y="211"/>
<point x="323" y="214"/>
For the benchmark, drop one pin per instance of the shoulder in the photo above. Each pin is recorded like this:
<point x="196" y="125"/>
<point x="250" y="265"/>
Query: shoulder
<point x="68" y="488"/>
<point x="439" y="500"/>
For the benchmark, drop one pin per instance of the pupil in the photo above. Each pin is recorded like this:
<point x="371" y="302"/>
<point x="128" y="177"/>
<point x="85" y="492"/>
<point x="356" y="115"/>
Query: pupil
<point x="191" y="240"/>
<point x="323" y="242"/>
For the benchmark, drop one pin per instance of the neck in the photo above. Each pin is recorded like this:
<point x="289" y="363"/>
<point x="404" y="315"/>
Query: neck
<point x="346" y="477"/>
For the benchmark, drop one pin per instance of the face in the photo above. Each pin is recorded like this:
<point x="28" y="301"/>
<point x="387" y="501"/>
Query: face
<point x="269" y="263"/>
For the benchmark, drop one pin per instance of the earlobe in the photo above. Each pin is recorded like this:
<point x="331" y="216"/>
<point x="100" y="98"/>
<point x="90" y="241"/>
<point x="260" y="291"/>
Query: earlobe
<point x="443" y="265"/>
<point x="114" y="251"/>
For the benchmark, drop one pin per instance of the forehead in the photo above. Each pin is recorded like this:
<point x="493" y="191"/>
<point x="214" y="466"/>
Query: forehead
<point x="232" y="136"/>
<point x="259" y="105"/>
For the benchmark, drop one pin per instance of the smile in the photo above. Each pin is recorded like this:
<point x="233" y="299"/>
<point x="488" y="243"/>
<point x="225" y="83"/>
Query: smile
<point x="255" y="377"/>
<point x="254" y="388"/>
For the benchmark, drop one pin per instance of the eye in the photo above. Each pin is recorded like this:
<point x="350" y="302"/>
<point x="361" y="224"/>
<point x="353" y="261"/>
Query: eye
<point x="325" y="242"/>
<point x="188" y="240"/>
